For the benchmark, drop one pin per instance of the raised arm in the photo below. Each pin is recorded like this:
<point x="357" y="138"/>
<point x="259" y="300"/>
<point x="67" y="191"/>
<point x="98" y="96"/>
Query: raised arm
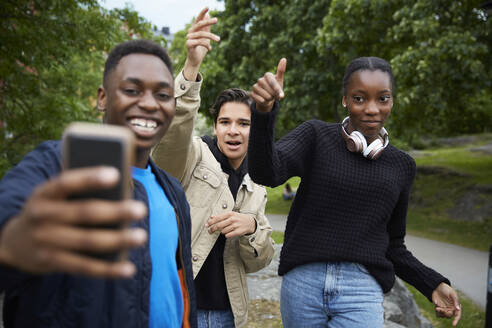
<point x="271" y="163"/>
<point x="175" y="153"/>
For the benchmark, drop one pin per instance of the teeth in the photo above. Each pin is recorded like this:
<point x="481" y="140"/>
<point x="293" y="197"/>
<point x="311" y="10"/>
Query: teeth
<point x="143" y="123"/>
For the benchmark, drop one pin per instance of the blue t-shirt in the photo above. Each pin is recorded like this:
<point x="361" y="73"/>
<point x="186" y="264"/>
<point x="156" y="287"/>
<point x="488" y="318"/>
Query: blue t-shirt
<point x="166" y="300"/>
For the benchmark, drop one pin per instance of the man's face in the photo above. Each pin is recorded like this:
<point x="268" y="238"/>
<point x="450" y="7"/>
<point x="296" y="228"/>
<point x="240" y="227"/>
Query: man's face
<point x="139" y="94"/>
<point x="232" y="131"/>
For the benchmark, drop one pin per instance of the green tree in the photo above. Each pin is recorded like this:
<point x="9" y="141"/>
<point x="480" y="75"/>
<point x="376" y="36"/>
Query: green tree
<point x="444" y="69"/>
<point x="254" y="36"/>
<point x="51" y="60"/>
<point x="440" y="52"/>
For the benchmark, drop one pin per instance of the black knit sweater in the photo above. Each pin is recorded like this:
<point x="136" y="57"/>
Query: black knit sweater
<point x="347" y="208"/>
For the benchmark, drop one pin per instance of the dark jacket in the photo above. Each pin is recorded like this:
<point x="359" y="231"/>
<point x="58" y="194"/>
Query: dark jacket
<point x="64" y="300"/>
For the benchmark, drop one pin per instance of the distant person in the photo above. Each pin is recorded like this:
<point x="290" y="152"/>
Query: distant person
<point x="47" y="280"/>
<point x="230" y="232"/>
<point x="287" y="193"/>
<point x="344" y="239"/>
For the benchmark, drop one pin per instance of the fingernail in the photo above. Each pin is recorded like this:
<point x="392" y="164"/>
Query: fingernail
<point x="127" y="270"/>
<point x="139" y="209"/>
<point x="206" y="224"/>
<point x="108" y="174"/>
<point x="281" y="94"/>
<point x="139" y="235"/>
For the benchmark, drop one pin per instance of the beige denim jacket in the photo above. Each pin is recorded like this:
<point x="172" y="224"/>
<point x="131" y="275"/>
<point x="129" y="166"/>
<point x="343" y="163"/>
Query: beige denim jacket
<point x="190" y="160"/>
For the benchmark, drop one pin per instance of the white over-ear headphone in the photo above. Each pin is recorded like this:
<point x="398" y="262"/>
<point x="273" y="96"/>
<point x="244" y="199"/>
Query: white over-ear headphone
<point x="356" y="142"/>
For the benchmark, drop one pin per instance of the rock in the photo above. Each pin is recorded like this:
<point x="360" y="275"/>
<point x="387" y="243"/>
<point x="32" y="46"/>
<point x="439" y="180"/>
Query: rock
<point x="474" y="205"/>
<point x="400" y="309"/>
<point x="486" y="149"/>
<point x="265" y="284"/>
<point x="391" y="324"/>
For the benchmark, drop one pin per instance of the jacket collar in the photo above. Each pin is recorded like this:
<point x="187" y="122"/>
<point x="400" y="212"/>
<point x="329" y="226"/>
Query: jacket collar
<point x="248" y="183"/>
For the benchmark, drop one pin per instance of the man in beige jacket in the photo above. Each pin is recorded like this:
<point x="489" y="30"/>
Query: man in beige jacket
<point x="230" y="233"/>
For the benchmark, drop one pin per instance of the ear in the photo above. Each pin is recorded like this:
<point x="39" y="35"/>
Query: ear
<point x="344" y="102"/>
<point x="215" y="129"/>
<point x="101" y="99"/>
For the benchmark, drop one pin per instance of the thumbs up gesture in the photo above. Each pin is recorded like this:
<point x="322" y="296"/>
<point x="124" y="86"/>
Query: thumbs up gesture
<point x="269" y="88"/>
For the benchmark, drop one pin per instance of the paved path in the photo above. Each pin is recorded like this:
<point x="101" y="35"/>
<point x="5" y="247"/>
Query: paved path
<point x="466" y="268"/>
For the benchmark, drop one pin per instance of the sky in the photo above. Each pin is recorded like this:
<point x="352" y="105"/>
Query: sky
<point x="173" y="13"/>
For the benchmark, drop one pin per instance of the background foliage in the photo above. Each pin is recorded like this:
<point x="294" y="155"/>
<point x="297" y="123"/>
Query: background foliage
<point x="440" y="52"/>
<point x="52" y="54"/>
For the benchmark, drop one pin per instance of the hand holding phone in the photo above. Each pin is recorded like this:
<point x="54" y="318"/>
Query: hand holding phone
<point x="55" y="232"/>
<point x="89" y="145"/>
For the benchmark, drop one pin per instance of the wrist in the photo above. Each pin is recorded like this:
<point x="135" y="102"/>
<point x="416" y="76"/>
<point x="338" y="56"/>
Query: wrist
<point x="190" y="71"/>
<point x="265" y="108"/>
<point x="253" y="226"/>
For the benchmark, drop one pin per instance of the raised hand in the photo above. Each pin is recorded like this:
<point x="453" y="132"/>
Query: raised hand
<point x="198" y="43"/>
<point x="269" y="88"/>
<point x="446" y="302"/>
<point x="50" y="232"/>
<point x="231" y="224"/>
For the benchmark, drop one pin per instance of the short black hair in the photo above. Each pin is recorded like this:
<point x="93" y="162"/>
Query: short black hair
<point x="230" y="95"/>
<point x="135" y="47"/>
<point x="370" y="64"/>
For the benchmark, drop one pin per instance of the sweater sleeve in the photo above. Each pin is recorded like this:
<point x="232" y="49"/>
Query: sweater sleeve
<point x="407" y="267"/>
<point x="272" y="163"/>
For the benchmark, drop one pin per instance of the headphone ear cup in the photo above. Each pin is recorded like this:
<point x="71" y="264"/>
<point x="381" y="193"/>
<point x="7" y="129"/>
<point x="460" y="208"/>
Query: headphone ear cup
<point x="356" y="142"/>
<point x="373" y="151"/>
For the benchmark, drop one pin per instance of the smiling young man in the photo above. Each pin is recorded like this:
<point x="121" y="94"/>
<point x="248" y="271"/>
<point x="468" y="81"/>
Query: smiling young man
<point x="230" y="233"/>
<point x="42" y="234"/>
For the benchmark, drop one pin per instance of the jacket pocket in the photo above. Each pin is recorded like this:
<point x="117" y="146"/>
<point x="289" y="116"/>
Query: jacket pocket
<point x="203" y="187"/>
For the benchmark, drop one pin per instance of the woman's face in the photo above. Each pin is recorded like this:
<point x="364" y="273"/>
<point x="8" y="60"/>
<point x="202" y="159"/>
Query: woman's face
<point x="368" y="98"/>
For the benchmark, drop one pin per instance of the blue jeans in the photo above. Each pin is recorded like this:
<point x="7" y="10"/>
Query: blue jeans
<point x="215" y="319"/>
<point x="333" y="294"/>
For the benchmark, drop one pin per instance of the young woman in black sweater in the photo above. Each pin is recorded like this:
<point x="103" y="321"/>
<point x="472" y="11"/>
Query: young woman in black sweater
<point x="344" y="239"/>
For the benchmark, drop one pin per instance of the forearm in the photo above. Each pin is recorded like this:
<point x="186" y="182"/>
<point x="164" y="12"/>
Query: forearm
<point x="174" y="149"/>
<point x="262" y="159"/>
<point x="190" y="71"/>
<point x="272" y="163"/>
<point x="406" y="266"/>
<point x="414" y="272"/>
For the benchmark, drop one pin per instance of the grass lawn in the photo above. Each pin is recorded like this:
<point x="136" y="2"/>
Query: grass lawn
<point x="477" y="165"/>
<point x="276" y="204"/>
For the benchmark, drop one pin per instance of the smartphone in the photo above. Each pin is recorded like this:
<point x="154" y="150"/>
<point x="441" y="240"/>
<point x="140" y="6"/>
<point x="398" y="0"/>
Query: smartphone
<point x="90" y="144"/>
